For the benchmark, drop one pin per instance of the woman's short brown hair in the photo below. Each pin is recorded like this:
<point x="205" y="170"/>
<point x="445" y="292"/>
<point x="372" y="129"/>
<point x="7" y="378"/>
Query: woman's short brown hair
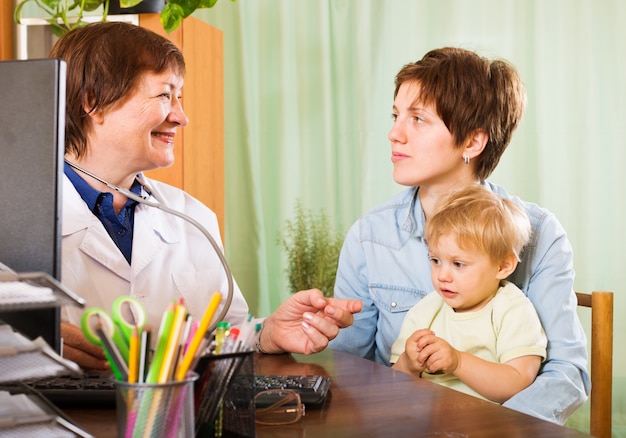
<point x="470" y="93"/>
<point x="104" y="63"/>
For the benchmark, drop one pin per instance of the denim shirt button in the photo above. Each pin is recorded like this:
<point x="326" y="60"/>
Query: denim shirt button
<point x="394" y="304"/>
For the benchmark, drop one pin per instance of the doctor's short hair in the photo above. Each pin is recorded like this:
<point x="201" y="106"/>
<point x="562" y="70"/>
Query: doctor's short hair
<point x="105" y="62"/>
<point x="480" y="220"/>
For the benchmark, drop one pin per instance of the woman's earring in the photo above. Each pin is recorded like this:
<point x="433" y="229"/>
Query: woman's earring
<point x="467" y="158"/>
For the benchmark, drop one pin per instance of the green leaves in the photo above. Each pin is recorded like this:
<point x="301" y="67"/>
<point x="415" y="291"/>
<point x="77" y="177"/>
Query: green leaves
<point x="63" y="15"/>
<point x="312" y="251"/>
<point x="129" y="3"/>
<point x="171" y="16"/>
<point x="92" y="5"/>
<point x="176" y="10"/>
<point x="207" y="3"/>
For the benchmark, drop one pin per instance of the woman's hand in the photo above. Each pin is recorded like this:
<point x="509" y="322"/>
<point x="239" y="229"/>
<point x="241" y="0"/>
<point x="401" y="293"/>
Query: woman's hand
<point x="78" y="349"/>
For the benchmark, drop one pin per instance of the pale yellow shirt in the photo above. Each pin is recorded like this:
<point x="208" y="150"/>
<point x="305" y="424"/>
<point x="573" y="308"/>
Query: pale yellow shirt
<point x="508" y="327"/>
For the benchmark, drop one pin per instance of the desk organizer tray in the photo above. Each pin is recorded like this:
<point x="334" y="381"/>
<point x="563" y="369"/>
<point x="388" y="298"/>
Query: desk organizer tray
<point x="26" y="413"/>
<point x="222" y="408"/>
<point x="33" y="290"/>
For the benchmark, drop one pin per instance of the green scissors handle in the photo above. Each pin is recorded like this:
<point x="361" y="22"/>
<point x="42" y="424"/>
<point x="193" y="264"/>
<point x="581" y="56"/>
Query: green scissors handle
<point x="128" y="312"/>
<point x="117" y="327"/>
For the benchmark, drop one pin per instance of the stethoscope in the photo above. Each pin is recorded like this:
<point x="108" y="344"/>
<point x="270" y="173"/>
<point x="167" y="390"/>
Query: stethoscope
<point x="159" y="204"/>
<point x="123" y="191"/>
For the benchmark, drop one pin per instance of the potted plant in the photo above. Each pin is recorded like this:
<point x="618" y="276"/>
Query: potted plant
<point x="65" y="15"/>
<point x="312" y="251"/>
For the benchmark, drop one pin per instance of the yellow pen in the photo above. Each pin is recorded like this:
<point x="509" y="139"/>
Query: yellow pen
<point x="133" y="356"/>
<point x="189" y="356"/>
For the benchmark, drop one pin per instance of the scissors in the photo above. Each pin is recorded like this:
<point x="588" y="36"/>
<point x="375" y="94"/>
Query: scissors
<point x="127" y="312"/>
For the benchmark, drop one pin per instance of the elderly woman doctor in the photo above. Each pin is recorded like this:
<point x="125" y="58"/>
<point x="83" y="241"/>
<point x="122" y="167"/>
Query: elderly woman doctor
<point x="123" y="111"/>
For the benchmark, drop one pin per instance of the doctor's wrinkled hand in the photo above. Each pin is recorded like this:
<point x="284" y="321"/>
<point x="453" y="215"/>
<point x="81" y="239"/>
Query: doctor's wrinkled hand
<point x="78" y="349"/>
<point x="306" y="322"/>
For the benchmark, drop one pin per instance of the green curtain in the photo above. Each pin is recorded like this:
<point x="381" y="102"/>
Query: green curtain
<point x="309" y="90"/>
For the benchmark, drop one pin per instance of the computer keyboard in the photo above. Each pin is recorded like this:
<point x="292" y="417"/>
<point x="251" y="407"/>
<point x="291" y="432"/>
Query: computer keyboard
<point x="99" y="389"/>
<point x="92" y="389"/>
<point x="313" y="389"/>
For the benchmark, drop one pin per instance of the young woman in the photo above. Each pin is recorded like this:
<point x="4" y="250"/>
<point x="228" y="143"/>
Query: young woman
<point x="454" y="114"/>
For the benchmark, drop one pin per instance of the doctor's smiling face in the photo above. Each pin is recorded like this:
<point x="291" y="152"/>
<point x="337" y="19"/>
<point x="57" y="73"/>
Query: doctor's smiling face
<point x="140" y="129"/>
<point x="123" y="103"/>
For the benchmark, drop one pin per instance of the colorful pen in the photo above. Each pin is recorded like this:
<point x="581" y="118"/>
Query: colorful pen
<point x="144" y="353"/>
<point x="118" y="366"/>
<point x="188" y="358"/>
<point x="162" y="337"/>
<point x="230" y="344"/>
<point x="173" y="336"/>
<point x="133" y="356"/>
<point x="221" y="332"/>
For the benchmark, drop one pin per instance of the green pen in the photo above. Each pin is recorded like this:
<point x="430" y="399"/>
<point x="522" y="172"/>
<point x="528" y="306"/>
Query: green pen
<point x="162" y="337"/>
<point x="221" y="332"/>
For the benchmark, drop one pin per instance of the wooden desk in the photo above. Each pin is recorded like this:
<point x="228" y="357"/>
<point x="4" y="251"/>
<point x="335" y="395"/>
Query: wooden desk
<point x="369" y="400"/>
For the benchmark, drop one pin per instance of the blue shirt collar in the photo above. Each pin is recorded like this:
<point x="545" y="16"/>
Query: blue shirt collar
<point x="88" y="193"/>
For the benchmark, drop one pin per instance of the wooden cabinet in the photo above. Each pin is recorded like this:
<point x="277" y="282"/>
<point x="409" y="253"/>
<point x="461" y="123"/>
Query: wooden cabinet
<point x="6" y="26"/>
<point x="199" y="165"/>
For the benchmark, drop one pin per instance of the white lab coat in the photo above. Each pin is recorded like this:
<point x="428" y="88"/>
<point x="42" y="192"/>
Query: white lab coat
<point x="170" y="258"/>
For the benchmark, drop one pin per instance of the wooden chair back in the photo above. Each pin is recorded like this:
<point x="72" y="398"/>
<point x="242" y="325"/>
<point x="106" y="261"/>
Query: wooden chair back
<point x="601" y="305"/>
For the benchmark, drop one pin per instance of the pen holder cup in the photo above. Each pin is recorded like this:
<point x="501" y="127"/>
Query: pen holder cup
<point x="224" y="395"/>
<point x="156" y="410"/>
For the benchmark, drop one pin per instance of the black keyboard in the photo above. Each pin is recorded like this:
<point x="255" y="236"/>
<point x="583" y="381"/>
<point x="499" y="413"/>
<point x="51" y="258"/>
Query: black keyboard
<point x="92" y="389"/>
<point x="95" y="389"/>
<point x="313" y="389"/>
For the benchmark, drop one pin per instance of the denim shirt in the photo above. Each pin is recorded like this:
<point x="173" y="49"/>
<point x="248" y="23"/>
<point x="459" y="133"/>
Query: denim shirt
<point x="384" y="263"/>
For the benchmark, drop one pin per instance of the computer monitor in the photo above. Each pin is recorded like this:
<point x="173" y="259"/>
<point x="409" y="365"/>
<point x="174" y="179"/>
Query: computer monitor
<point x="32" y="130"/>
